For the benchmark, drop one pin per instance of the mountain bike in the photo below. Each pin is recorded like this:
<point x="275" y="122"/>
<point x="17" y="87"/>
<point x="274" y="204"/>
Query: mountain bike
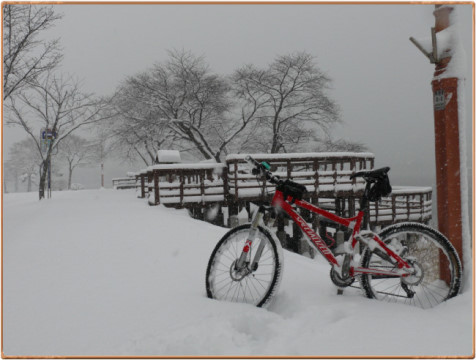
<point x="406" y="262"/>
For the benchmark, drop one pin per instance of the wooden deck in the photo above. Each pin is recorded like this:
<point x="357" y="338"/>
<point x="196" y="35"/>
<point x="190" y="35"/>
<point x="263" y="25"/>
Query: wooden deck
<point x="326" y="176"/>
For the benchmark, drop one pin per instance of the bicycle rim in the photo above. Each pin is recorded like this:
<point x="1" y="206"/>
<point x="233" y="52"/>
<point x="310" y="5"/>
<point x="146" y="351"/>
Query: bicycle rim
<point x="438" y="269"/>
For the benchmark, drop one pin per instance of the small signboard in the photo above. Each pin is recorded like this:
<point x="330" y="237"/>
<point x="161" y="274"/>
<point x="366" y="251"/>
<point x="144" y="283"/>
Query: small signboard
<point x="48" y="134"/>
<point x="439" y="100"/>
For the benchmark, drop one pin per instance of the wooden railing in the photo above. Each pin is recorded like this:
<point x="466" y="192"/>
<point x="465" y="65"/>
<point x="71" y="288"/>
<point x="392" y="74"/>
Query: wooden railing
<point x="323" y="174"/>
<point x="404" y="204"/>
<point x="185" y="183"/>
<point x="326" y="177"/>
<point x="124" y="183"/>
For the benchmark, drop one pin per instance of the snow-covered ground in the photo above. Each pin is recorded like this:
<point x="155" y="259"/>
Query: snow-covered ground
<point x="101" y="273"/>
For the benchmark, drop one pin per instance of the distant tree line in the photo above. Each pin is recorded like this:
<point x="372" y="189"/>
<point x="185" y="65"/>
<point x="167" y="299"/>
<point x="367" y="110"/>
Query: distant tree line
<point x="180" y="103"/>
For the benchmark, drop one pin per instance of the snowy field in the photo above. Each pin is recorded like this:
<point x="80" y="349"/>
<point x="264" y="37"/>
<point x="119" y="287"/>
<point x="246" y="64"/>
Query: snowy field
<point x="101" y="273"/>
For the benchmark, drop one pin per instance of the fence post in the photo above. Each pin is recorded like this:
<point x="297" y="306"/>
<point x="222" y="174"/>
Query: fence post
<point x="142" y="185"/>
<point x="181" y="178"/>
<point x="296" y="245"/>
<point x="281" y="233"/>
<point x="315" y="168"/>
<point x="376" y="211"/>
<point x="224" y="177"/>
<point x="394" y="208"/>
<point x="202" y="185"/>
<point x="156" y="187"/>
<point x="235" y="165"/>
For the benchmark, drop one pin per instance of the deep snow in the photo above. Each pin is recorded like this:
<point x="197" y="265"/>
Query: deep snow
<point x="101" y="273"/>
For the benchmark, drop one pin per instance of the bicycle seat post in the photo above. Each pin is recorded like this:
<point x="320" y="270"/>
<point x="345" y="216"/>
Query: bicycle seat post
<point x="364" y="201"/>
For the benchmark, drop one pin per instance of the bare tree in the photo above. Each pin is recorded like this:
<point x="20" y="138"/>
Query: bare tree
<point x="25" y="55"/>
<point x="75" y="151"/>
<point x="56" y="105"/>
<point x="24" y="163"/>
<point x="180" y="103"/>
<point x="293" y="89"/>
<point x="137" y="129"/>
<point x="191" y="99"/>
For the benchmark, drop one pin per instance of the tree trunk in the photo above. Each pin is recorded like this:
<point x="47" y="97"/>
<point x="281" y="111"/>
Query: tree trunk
<point x="70" y="176"/>
<point x="275" y="146"/>
<point x="16" y="181"/>
<point x="29" y="183"/>
<point x="43" y="174"/>
<point x="102" y="175"/>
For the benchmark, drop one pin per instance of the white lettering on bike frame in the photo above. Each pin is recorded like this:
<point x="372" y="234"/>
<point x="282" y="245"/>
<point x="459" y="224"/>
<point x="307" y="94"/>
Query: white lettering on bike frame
<point x="315" y="238"/>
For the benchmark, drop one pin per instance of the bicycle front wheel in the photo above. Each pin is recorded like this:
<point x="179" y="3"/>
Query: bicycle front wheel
<point x="252" y="286"/>
<point x="438" y="271"/>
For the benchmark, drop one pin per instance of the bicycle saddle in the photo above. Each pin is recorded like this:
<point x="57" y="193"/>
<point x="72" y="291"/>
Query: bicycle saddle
<point x="372" y="174"/>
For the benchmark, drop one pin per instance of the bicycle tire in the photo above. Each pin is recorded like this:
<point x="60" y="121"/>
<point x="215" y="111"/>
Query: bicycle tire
<point x="256" y="288"/>
<point x="428" y="249"/>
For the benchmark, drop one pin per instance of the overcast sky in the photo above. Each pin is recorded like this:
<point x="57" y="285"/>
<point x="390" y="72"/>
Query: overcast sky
<point x="380" y="80"/>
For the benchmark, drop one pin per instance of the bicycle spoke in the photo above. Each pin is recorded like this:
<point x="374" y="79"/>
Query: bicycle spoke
<point x="433" y="259"/>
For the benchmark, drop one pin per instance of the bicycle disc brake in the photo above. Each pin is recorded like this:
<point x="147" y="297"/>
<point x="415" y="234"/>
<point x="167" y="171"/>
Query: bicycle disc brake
<point x="238" y="274"/>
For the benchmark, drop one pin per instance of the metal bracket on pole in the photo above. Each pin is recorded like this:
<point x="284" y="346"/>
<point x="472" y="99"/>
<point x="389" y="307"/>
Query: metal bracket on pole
<point x="433" y="57"/>
<point x="434" y="45"/>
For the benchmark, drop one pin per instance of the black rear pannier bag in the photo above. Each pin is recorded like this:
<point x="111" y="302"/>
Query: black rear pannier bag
<point x="380" y="188"/>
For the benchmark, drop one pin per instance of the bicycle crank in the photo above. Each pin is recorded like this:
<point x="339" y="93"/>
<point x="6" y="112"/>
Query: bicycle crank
<point x="340" y="281"/>
<point x="343" y="279"/>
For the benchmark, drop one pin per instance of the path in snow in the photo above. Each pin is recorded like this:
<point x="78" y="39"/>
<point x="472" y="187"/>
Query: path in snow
<point x="101" y="273"/>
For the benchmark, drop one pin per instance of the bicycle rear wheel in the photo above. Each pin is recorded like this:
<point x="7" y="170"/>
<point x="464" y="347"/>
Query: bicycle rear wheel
<point x="438" y="269"/>
<point x="252" y="286"/>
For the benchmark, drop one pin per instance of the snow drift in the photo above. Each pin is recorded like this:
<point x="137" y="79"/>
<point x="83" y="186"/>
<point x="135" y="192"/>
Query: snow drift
<point x="100" y="273"/>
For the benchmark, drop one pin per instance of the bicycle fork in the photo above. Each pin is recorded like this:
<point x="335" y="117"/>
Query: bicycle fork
<point x="251" y="236"/>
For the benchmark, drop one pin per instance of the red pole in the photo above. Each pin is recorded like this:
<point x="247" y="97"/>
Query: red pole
<point x="447" y="144"/>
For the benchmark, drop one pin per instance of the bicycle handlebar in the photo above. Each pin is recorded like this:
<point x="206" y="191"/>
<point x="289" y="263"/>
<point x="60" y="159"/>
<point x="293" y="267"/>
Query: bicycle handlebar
<point x="274" y="179"/>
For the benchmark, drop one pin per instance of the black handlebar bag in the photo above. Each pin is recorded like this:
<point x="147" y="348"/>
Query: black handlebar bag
<point x="293" y="189"/>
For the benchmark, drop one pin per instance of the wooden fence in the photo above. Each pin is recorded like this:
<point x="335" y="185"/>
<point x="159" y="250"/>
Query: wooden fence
<point x="182" y="184"/>
<point x="129" y="182"/>
<point x="325" y="175"/>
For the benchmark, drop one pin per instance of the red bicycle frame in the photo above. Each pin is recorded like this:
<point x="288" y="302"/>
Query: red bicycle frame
<point x="353" y="223"/>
